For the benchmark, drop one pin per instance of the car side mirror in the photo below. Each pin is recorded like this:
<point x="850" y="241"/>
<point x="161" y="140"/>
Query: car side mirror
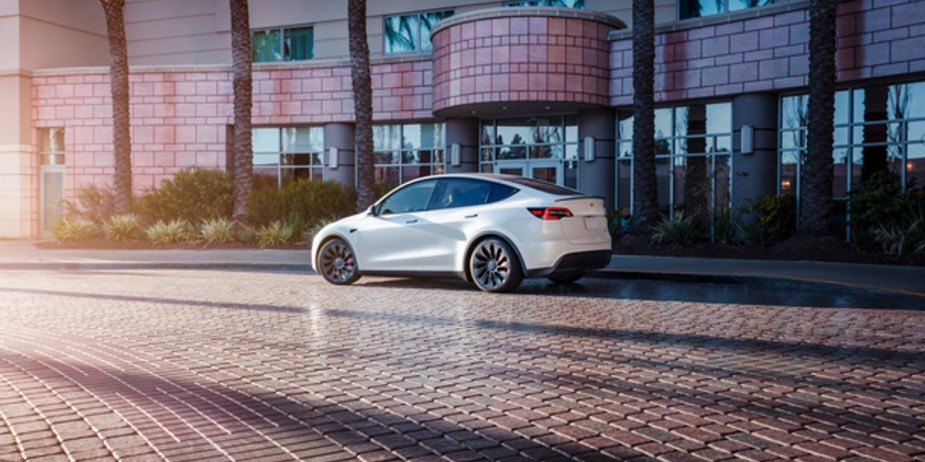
<point x="372" y="210"/>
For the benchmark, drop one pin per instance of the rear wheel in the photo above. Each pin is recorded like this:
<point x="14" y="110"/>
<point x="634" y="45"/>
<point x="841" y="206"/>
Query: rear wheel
<point x="566" y="278"/>
<point x="337" y="263"/>
<point x="494" y="266"/>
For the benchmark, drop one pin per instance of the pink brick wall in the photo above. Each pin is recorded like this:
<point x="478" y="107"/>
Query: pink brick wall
<point x="875" y="38"/>
<point x="180" y="118"/>
<point x="521" y="59"/>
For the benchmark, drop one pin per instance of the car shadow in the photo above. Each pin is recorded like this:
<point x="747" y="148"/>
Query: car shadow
<point x="728" y="292"/>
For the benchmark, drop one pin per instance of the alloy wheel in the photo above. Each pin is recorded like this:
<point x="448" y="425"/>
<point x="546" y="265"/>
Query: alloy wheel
<point x="494" y="267"/>
<point x="337" y="262"/>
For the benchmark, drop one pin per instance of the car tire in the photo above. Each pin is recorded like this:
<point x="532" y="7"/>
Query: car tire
<point x="494" y="266"/>
<point x="567" y="278"/>
<point x="337" y="263"/>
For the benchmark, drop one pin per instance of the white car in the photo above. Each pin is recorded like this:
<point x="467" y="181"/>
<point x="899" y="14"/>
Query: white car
<point x="491" y="230"/>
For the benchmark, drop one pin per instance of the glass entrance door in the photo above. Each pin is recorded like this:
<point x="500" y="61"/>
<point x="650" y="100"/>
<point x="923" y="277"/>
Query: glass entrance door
<point x="546" y="170"/>
<point x="52" y="197"/>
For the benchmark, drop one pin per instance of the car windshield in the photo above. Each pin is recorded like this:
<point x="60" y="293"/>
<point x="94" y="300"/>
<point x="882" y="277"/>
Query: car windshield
<point x="545" y="187"/>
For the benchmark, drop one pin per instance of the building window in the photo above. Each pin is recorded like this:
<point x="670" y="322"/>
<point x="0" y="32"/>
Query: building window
<point x="410" y="33"/>
<point x="578" y="4"/>
<point x="877" y="128"/>
<point x="51" y="146"/>
<point x="286" y="153"/>
<point x="693" y="147"/>
<point x="408" y="151"/>
<point x="698" y="8"/>
<point x="538" y="147"/>
<point x="285" y="44"/>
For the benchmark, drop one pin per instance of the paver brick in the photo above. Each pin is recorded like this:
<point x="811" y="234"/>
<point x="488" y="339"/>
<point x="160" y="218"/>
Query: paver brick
<point x="408" y="370"/>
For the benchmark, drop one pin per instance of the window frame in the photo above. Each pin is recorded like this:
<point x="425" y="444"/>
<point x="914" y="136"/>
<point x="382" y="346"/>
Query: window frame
<point x="314" y="169"/>
<point x="544" y="4"/>
<point x="55" y="156"/>
<point x="681" y="3"/>
<point x="436" y="163"/>
<point x="418" y="46"/>
<point x="282" y="42"/>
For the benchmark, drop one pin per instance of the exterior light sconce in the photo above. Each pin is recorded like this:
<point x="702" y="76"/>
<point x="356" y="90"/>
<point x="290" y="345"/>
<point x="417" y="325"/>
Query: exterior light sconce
<point x="747" y="140"/>
<point x="332" y="157"/>
<point x="455" y="159"/>
<point x="589" y="149"/>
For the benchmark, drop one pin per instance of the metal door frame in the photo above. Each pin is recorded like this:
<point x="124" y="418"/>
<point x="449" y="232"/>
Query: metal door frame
<point x="526" y="167"/>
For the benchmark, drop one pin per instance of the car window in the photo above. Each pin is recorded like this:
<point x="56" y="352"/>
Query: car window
<point x="461" y="192"/>
<point x="411" y="198"/>
<point x="500" y="192"/>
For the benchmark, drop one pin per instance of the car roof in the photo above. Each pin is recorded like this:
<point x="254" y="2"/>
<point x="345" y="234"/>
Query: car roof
<point x="509" y="180"/>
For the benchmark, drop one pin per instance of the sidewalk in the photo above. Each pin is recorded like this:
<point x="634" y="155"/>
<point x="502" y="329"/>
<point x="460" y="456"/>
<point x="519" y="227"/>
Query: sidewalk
<point x="906" y="280"/>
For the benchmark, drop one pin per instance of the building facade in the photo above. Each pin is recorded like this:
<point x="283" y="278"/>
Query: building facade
<point x="540" y="88"/>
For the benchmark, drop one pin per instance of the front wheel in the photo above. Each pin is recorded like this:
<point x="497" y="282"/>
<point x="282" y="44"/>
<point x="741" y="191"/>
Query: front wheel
<point x="494" y="266"/>
<point x="337" y="263"/>
<point x="566" y="278"/>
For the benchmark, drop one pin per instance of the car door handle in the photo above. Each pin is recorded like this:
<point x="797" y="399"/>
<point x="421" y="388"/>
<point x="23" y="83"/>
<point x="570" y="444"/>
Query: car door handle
<point x="472" y="216"/>
<point x="410" y="221"/>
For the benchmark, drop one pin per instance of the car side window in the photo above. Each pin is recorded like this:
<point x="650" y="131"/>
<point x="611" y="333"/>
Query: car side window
<point x="461" y="192"/>
<point x="499" y="192"/>
<point x="412" y="198"/>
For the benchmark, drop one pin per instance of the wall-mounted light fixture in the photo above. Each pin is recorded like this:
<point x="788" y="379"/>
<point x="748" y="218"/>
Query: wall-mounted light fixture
<point x="332" y="157"/>
<point x="747" y="139"/>
<point x="455" y="156"/>
<point x="589" y="149"/>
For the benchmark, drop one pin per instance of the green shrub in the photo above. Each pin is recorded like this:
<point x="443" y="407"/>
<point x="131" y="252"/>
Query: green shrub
<point x="75" y="229"/>
<point x="276" y="233"/>
<point x="92" y="203"/>
<point x="752" y="233"/>
<point x="120" y="228"/>
<point x="618" y="222"/>
<point x="169" y="232"/>
<point x="300" y="202"/>
<point x="679" y="231"/>
<point x="726" y="228"/>
<point x="885" y="217"/>
<point x="193" y="195"/>
<point x="896" y="240"/>
<point x="217" y="231"/>
<point x="776" y="215"/>
<point x="248" y="235"/>
<point x="313" y="230"/>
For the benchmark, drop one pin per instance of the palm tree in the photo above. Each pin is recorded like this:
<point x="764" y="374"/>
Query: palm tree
<point x="645" y="194"/>
<point x="242" y="149"/>
<point x="362" y="103"/>
<point x="119" y="86"/>
<point x="817" y="206"/>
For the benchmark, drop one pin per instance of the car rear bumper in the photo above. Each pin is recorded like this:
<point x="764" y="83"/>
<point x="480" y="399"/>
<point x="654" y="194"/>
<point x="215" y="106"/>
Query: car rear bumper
<point x="575" y="263"/>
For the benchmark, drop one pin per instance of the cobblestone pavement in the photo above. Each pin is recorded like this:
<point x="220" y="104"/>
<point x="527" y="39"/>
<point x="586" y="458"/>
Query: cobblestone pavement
<point x="202" y="365"/>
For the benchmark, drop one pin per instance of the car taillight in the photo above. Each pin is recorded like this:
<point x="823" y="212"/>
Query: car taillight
<point x="550" y="213"/>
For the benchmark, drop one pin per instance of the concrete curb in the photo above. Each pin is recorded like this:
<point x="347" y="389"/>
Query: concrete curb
<point x="772" y="282"/>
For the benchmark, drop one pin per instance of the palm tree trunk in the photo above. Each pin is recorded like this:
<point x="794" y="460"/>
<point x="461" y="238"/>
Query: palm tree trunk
<point x="242" y="83"/>
<point x="645" y="194"/>
<point x="362" y="103"/>
<point x="817" y="206"/>
<point x="121" y="123"/>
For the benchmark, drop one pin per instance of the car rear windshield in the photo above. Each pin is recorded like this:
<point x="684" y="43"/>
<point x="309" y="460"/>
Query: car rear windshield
<point x="545" y="187"/>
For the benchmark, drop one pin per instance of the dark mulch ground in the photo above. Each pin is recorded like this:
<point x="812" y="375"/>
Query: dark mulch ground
<point x="828" y="248"/>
